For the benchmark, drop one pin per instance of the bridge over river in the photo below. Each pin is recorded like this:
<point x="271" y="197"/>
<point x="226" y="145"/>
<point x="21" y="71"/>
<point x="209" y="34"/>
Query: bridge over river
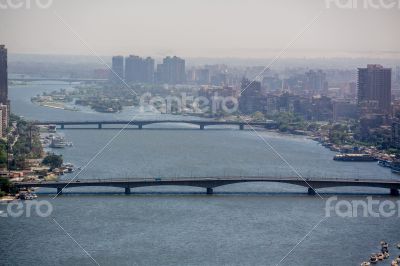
<point x="140" y="123"/>
<point x="209" y="183"/>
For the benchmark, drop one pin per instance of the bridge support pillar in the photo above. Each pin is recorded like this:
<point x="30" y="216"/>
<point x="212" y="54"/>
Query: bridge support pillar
<point x="59" y="191"/>
<point x="127" y="190"/>
<point x="311" y="191"/>
<point x="99" y="126"/>
<point x="241" y="126"/>
<point x="394" y="192"/>
<point x="210" y="191"/>
<point x="201" y="127"/>
<point x="140" y="126"/>
<point x="62" y="126"/>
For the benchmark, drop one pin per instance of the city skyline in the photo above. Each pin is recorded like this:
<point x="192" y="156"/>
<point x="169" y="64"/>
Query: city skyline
<point x="199" y="132"/>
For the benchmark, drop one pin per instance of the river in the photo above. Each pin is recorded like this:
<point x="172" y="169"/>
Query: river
<point x="242" y="224"/>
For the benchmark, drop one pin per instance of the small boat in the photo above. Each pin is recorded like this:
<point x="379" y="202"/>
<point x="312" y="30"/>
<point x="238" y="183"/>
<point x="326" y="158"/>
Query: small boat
<point x="381" y="256"/>
<point x="394" y="263"/>
<point x="385" y="247"/>
<point x="398" y="245"/>
<point x="25" y="196"/>
<point x="373" y="259"/>
<point x="366" y="263"/>
<point x="386" y="254"/>
<point x="58" y="143"/>
<point x="385" y="163"/>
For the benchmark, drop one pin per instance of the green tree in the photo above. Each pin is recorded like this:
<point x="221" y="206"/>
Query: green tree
<point x="6" y="186"/>
<point x="3" y="153"/>
<point x="53" y="160"/>
<point x="258" y="117"/>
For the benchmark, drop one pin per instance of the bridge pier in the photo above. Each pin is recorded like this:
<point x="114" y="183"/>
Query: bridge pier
<point x="127" y="190"/>
<point x="62" y="126"/>
<point x="311" y="191"/>
<point x="99" y="126"/>
<point x="210" y="191"/>
<point x="394" y="192"/>
<point x="140" y="126"/>
<point x="201" y="127"/>
<point x="241" y="126"/>
<point x="59" y="191"/>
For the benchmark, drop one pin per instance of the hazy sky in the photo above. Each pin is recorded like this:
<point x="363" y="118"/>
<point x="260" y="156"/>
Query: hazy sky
<point x="200" y="28"/>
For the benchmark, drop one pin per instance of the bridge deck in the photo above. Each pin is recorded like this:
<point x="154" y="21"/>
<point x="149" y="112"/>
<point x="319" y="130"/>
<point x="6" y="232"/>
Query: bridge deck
<point x="212" y="182"/>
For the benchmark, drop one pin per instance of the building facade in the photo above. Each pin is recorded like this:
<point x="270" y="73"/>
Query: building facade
<point x="374" y="90"/>
<point x="251" y="99"/>
<point x="4" y="102"/>
<point x="139" y="70"/>
<point x="171" y="71"/>
<point x="117" y="73"/>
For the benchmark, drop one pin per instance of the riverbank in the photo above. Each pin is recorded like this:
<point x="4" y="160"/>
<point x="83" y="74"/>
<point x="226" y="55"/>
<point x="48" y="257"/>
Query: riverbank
<point x="7" y="199"/>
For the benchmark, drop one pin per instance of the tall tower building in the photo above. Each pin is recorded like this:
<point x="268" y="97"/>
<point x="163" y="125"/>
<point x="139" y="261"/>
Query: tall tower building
<point x="117" y="73"/>
<point x="3" y="76"/>
<point x="133" y="69"/>
<point x="4" y="102"/>
<point x="138" y="69"/>
<point x="375" y="89"/>
<point x="148" y="70"/>
<point x="171" y="71"/>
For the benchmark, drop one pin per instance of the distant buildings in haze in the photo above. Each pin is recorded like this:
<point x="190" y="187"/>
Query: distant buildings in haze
<point x="135" y="69"/>
<point x="139" y="70"/>
<point x="117" y="69"/>
<point x="171" y="71"/>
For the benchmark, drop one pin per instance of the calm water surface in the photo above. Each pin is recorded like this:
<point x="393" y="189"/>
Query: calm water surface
<point x="243" y="224"/>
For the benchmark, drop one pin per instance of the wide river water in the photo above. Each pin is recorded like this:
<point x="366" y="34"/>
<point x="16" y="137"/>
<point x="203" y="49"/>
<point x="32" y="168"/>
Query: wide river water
<point x="242" y="224"/>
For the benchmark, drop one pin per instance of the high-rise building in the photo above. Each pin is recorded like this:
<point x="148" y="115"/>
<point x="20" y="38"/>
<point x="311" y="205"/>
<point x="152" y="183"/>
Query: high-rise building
<point x="171" y="71"/>
<point x="3" y="76"/>
<point x="148" y="70"/>
<point x="138" y="69"/>
<point x="374" y="90"/>
<point x="251" y="99"/>
<point x="133" y="69"/>
<point x="4" y="102"/>
<point x="117" y="73"/>
<point x="315" y="81"/>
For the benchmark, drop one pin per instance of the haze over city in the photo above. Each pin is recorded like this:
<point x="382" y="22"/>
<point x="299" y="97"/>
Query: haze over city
<point x="209" y="28"/>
